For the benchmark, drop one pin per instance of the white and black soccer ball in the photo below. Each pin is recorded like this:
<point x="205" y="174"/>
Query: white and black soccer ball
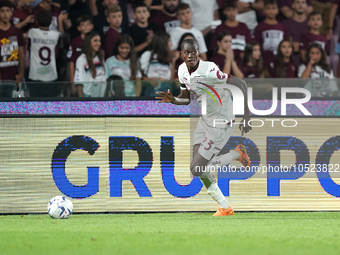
<point x="60" y="207"/>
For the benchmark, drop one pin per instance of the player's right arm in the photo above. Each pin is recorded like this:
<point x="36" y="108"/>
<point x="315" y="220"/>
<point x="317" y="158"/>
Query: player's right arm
<point x="182" y="99"/>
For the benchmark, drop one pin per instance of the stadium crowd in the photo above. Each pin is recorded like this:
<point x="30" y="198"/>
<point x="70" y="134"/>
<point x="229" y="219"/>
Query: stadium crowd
<point x="98" y="48"/>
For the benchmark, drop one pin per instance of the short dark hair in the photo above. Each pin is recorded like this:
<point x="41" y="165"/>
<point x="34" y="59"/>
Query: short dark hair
<point x="182" y="7"/>
<point x="269" y="2"/>
<point x="190" y="42"/>
<point x="139" y="5"/>
<point x="314" y="13"/>
<point x="6" y="3"/>
<point x="44" y="18"/>
<point x="229" y="4"/>
<point x="84" y="18"/>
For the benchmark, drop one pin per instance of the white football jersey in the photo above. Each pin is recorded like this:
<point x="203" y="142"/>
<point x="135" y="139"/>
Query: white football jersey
<point x="93" y="87"/>
<point x="202" y="82"/>
<point x="42" y="49"/>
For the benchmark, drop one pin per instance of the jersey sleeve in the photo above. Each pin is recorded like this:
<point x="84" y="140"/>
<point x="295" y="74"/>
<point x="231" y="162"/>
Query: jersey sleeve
<point x="80" y="70"/>
<point x="214" y="75"/>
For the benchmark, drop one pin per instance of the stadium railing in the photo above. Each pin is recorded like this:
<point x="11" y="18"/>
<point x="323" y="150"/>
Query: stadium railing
<point x="119" y="89"/>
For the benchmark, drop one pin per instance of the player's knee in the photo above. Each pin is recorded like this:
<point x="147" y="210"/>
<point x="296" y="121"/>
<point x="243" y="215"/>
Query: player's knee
<point x="196" y="170"/>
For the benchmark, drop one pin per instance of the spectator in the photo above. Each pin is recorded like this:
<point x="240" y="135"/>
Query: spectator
<point x="114" y="17"/>
<point x="42" y="45"/>
<point x="247" y="12"/>
<point x="166" y="19"/>
<point x="90" y="68"/>
<point x="99" y="9"/>
<point x="314" y="34"/>
<point x="317" y="69"/>
<point x="252" y="64"/>
<point x="239" y="31"/>
<point x="22" y="15"/>
<point x="124" y="63"/>
<point x="224" y="57"/>
<point x="84" y="25"/>
<point x="76" y="10"/>
<point x="270" y="33"/>
<point x="184" y="14"/>
<point x="324" y="8"/>
<point x="59" y="18"/>
<point x="283" y="66"/>
<point x="297" y="26"/>
<point x="287" y="10"/>
<point x="12" y="61"/>
<point x="142" y="31"/>
<point x="204" y="14"/>
<point x="157" y="65"/>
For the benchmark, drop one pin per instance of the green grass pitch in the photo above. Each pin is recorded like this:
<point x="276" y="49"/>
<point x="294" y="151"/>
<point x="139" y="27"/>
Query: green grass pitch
<point x="172" y="233"/>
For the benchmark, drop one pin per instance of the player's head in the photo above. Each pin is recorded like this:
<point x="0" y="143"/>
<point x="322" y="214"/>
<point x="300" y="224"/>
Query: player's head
<point x="315" y="20"/>
<point x="184" y="13"/>
<point x="114" y="16"/>
<point x="84" y="24"/>
<point x="190" y="52"/>
<point x="270" y="9"/>
<point x="141" y="12"/>
<point x="170" y="6"/>
<point x="184" y="37"/>
<point x="299" y="6"/>
<point x="6" y="11"/>
<point x="224" y="40"/>
<point x="230" y="10"/>
<point x="44" y="18"/>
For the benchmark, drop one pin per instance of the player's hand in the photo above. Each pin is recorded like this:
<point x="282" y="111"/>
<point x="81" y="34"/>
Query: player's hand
<point x="165" y="97"/>
<point x="246" y="127"/>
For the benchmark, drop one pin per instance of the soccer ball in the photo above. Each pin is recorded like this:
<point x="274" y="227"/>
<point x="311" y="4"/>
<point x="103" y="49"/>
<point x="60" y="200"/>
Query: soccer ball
<point x="60" y="207"/>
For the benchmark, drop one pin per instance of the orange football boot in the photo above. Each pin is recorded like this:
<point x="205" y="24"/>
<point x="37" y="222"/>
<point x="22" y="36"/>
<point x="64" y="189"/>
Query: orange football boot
<point x="224" y="212"/>
<point x="244" y="159"/>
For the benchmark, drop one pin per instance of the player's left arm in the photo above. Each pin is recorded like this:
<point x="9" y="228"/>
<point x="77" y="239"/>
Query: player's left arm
<point x="244" y="124"/>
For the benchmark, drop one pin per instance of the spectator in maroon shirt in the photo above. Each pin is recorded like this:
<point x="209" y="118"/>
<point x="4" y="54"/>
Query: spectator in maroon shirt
<point x="252" y="64"/>
<point x="224" y="57"/>
<point x="166" y="19"/>
<point x="324" y="8"/>
<point x="314" y="34"/>
<point x="84" y="25"/>
<point x="22" y="15"/>
<point x="270" y="33"/>
<point x="297" y="26"/>
<point x="239" y="31"/>
<point x="114" y="17"/>
<point x="12" y="59"/>
<point x="287" y="10"/>
<point x="283" y="65"/>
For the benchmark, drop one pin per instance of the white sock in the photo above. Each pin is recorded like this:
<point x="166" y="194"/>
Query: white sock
<point x="214" y="191"/>
<point x="224" y="159"/>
